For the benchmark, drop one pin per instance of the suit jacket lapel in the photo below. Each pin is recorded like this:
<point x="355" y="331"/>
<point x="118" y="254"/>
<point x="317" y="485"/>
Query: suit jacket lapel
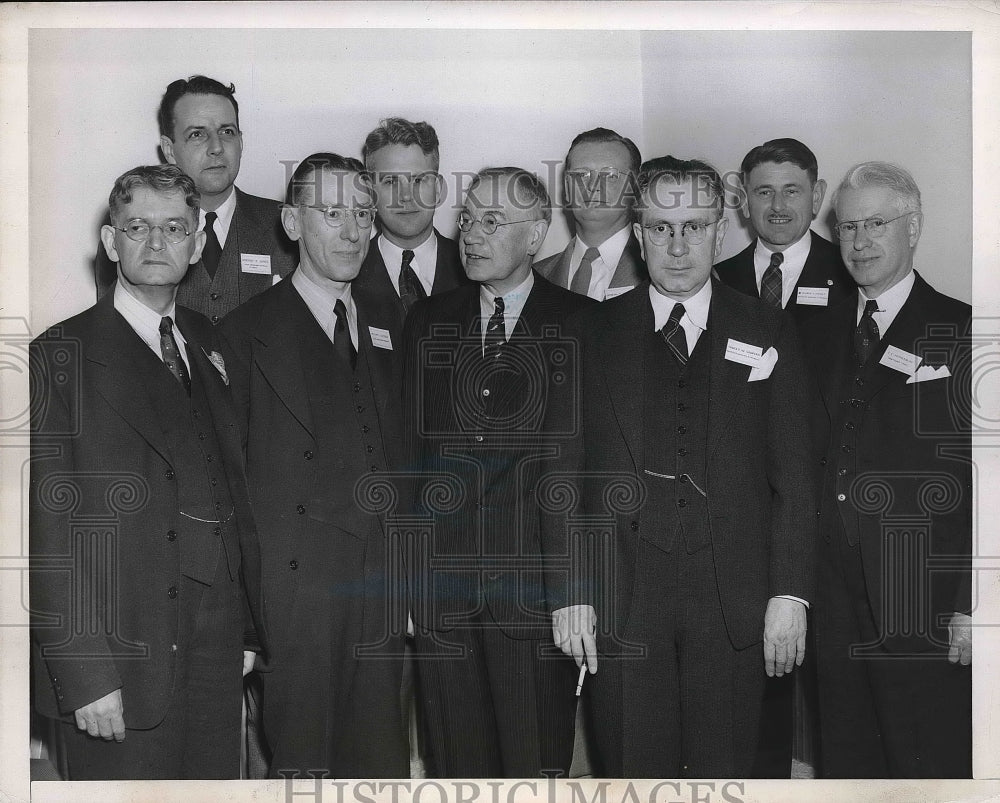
<point x="629" y="271"/>
<point x="560" y="275"/>
<point x="744" y="278"/>
<point x="123" y="364"/>
<point x="907" y="327"/>
<point x="624" y="378"/>
<point x="277" y="350"/>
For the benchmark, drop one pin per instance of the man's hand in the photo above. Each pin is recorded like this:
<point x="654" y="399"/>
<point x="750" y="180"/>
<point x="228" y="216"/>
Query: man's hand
<point x="784" y="636"/>
<point x="960" y="639"/>
<point x="248" y="658"/>
<point x="103" y="717"/>
<point x="573" y="631"/>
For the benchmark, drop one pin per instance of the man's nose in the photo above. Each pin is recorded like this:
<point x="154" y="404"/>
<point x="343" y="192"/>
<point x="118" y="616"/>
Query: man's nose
<point x="155" y="239"/>
<point x="350" y="230"/>
<point x="214" y="144"/>
<point x="778" y="201"/>
<point x="862" y="239"/>
<point x="678" y="245"/>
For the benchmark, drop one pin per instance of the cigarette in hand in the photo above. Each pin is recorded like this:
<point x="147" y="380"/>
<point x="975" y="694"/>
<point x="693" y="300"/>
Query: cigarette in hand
<point x="583" y="674"/>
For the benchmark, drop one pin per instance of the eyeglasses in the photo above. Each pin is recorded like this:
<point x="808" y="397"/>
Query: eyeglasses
<point x="138" y="230"/>
<point x="602" y="173"/>
<point x="692" y="232"/>
<point x="488" y="221"/>
<point x="336" y="216"/>
<point x="875" y="226"/>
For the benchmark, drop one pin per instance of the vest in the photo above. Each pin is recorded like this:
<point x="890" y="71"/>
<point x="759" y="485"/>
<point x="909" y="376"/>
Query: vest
<point x="675" y="422"/>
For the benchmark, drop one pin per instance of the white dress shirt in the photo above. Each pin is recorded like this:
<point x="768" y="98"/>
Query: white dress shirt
<point x="513" y="304"/>
<point x="889" y="303"/>
<point x="223" y="220"/>
<point x="795" y="257"/>
<point x="146" y="322"/>
<point x="603" y="269"/>
<point x="321" y="301"/>
<point x="424" y="260"/>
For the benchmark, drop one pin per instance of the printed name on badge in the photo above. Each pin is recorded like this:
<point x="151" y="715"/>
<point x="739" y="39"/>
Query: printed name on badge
<point x="813" y="296"/>
<point x="612" y="292"/>
<point x="255" y="263"/>
<point x="380" y="338"/>
<point x="900" y="360"/>
<point x="743" y="353"/>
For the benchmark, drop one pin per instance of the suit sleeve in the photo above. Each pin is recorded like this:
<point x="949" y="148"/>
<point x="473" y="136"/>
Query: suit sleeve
<point x="789" y="470"/>
<point x="80" y="665"/>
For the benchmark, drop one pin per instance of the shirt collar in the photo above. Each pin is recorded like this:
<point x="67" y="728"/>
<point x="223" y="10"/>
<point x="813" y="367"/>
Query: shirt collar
<point x="321" y="299"/>
<point x="423" y="264"/>
<point x="513" y="302"/>
<point x="144" y="321"/>
<point x="890" y="302"/>
<point x="695" y="307"/>
<point x="611" y="249"/>
<point x="224" y="216"/>
<point x="793" y="257"/>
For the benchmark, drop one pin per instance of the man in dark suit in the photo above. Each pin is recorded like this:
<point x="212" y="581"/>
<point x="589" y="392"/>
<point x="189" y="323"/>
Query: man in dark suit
<point x="603" y="259"/>
<point x="482" y="364"/>
<point x="142" y="540"/>
<point x="316" y="377"/>
<point x="787" y="265"/>
<point x="894" y="601"/>
<point x="245" y="250"/>
<point x="689" y="511"/>
<point x="409" y="259"/>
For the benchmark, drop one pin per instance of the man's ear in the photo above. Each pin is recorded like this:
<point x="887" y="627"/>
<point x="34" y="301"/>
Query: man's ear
<point x="538" y="231"/>
<point x="637" y="231"/>
<point x="720" y="234"/>
<point x="200" y="238"/>
<point x="914" y="226"/>
<point x="167" y="147"/>
<point x="108" y="241"/>
<point x="819" y="191"/>
<point x="290" y="222"/>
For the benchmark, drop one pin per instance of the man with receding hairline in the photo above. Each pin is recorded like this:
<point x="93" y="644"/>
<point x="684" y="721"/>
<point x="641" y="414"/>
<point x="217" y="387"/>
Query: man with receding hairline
<point x="246" y="250"/>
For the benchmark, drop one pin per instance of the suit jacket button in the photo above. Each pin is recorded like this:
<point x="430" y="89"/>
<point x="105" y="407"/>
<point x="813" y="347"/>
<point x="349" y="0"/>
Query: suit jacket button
<point x="846" y="448"/>
<point x="479" y="438"/>
<point x="217" y="531"/>
<point x="214" y="296"/>
<point x="171" y="535"/>
<point x="293" y="565"/>
<point x="365" y="428"/>
<point x="300" y="509"/>
<point x="307" y="454"/>
<point x="849" y="425"/>
<point x="682" y="503"/>
<point x="370" y="448"/>
<point x="841" y="497"/>
<point x="822" y="461"/>
<point x="635" y="526"/>
<point x="169" y="474"/>
<point x="172" y="592"/>
<point x="360" y="408"/>
<point x="681" y="430"/>
<point x="374" y="468"/>
<point x="215" y="319"/>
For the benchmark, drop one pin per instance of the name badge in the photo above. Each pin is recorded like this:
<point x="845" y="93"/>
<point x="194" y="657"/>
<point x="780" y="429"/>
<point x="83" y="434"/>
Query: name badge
<point x="813" y="296"/>
<point x="380" y="338"/>
<point x="612" y="292"/>
<point x="255" y="263"/>
<point x="743" y="353"/>
<point x="900" y="360"/>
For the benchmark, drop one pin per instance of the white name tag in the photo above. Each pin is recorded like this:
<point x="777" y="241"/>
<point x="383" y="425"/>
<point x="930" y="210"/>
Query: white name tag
<point x="380" y="338"/>
<point x="743" y="353"/>
<point x="900" y="360"/>
<point x="611" y="292"/>
<point x="814" y="296"/>
<point x="255" y="263"/>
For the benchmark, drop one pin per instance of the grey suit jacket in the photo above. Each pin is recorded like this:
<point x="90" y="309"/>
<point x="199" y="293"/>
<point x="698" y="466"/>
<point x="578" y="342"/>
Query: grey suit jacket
<point x="630" y="271"/>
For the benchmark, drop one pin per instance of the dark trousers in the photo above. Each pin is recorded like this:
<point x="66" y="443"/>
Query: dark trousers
<point x="689" y="707"/>
<point x="500" y="709"/>
<point x="199" y="737"/>
<point x="883" y="715"/>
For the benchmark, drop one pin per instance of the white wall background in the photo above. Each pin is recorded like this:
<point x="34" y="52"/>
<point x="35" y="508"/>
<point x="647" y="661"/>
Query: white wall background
<point x="496" y="97"/>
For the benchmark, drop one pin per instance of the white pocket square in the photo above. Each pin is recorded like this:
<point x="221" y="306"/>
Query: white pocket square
<point x="925" y="374"/>
<point x="764" y="367"/>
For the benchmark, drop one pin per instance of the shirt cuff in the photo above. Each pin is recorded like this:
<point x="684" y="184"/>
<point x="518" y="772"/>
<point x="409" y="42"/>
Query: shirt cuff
<point x="789" y="596"/>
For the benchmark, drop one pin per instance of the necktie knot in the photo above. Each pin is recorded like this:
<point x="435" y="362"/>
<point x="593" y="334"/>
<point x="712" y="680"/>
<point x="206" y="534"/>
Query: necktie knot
<point x="674" y="334"/>
<point x="776" y="259"/>
<point x="584" y="273"/>
<point x="410" y="288"/>
<point x="871" y="307"/>
<point x="166" y="325"/>
<point x="498" y="306"/>
<point x="340" y="310"/>
<point x="210" y="218"/>
<point x="407" y="258"/>
<point x="496" y="333"/>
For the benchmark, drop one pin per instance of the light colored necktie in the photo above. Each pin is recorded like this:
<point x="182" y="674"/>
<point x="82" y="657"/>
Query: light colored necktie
<point x="584" y="273"/>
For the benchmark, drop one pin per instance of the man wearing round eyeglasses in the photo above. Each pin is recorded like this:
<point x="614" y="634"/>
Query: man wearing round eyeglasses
<point x="134" y="427"/>
<point x="694" y="442"/>
<point x="484" y="366"/>
<point x="602" y="260"/>
<point x="317" y="377"/>
<point x="893" y="614"/>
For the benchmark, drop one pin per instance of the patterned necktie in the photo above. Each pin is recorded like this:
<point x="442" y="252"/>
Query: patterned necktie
<point x="770" y="284"/>
<point x="496" y="335"/>
<point x="866" y="336"/>
<point x="410" y="288"/>
<point x="673" y="333"/>
<point x="584" y="273"/>
<point x="172" y="355"/>
<point x="212" y="252"/>
<point x="342" y="343"/>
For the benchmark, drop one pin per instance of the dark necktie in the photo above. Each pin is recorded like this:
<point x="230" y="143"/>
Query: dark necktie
<point x="866" y="336"/>
<point x="342" y="343"/>
<point x="584" y="273"/>
<point x="770" y="283"/>
<point x="212" y="252"/>
<point x="172" y="355"/>
<point x="673" y="333"/>
<point x="410" y="288"/>
<point x="496" y="335"/>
